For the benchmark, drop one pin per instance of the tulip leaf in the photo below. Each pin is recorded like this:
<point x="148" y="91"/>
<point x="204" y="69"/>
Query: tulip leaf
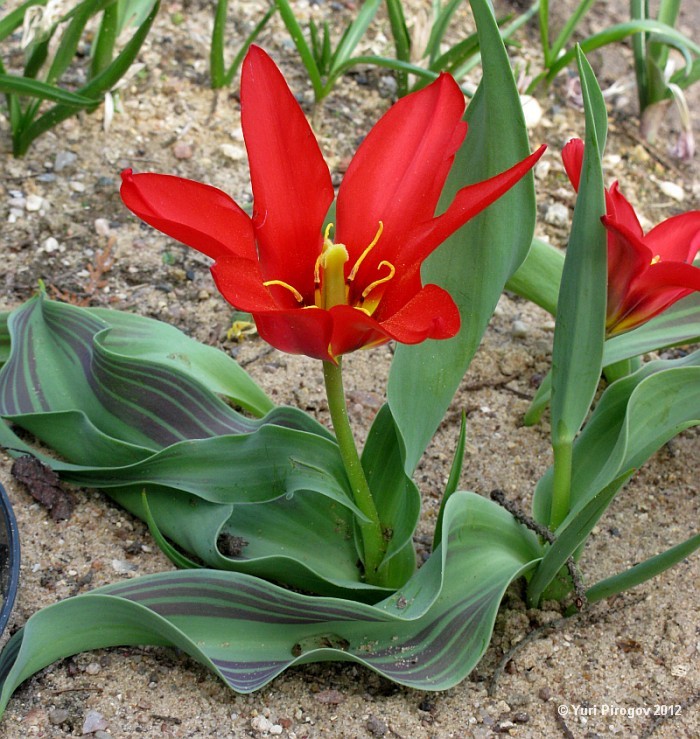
<point x="678" y="325"/>
<point x="579" y="333"/>
<point x="571" y="536"/>
<point x="634" y="418"/>
<point x="643" y="571"/>
<point x="395" y="494"/>
<point x="145" y="338"/>
<point x="429" y="635"/>
<point x="474" y="264"/>
<point x="77" y="379"/>
<point x="539" y="276"/>
<point x="580" y="329"/>
<point x="134" y="378"/>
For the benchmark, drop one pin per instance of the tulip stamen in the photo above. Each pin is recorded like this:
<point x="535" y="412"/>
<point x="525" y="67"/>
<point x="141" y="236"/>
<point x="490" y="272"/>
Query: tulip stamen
<point x="381" y="280"/>
<point x="358" y="263"/>
<point x="297" y="295"/>
<point x="656" y="259"/>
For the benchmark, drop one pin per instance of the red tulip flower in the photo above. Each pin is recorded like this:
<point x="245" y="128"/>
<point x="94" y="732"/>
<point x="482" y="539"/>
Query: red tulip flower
<point x="646" y="273"/>
<point x="325" y="293"/>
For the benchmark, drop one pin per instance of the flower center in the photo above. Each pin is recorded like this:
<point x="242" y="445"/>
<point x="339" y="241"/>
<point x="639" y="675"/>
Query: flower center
<point x="656" y="259"/>
<point x="332" y="287"/>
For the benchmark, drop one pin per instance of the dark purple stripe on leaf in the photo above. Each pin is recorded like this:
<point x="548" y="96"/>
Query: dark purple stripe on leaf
<point x="239" y="592"/>
<point x="248" y="676"/>
<point x="428" y="657"/>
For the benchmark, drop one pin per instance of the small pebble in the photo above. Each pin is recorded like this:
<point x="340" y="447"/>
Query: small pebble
<point x="122" y="566"/>
<point x="58" y="716"/>
<point x="532" y="110"/>
<point x="34" y="202"/>
<point x="50" y="245"/>
<point x="670" y="189"/>
<point x="557" y="214"/>
<point x="519" y="330"/>
<point x="376" y="726"/>
<point x="102" y="227"/>
<point x="94" y="721"/>
<point x="388" y="86"/>
<point x="261" y="724"/>
<point x="331" y="697"/>
<point x="64" y="159"/>
<point x="94" y="668"/>
<point x="182" y="150"/>
<point x="542" y="169"/>
<point x="232" y="151"/>
<point x="76" y="186"/>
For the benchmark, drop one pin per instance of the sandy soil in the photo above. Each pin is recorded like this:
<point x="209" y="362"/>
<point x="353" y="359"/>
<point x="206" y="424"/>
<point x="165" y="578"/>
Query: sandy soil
<point x="582" y="677"/>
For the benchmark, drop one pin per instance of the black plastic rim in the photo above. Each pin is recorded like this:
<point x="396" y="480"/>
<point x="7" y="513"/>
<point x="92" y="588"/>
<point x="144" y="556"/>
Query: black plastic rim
<point x="9" y="558"/>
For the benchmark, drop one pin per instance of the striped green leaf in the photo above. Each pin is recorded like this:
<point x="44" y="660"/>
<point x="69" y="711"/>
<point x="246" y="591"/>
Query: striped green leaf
<point x="118" y="399"/>
<point x="135" y="379"/>
<point x="429" y="635"/>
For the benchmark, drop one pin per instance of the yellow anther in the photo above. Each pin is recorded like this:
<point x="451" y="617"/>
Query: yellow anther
<point x="297" y="295"/>
<point x="381" y="280"/>
<point x="358" y="263"/>
<point x="240" y="329"/>
<point x="656" y="259"/>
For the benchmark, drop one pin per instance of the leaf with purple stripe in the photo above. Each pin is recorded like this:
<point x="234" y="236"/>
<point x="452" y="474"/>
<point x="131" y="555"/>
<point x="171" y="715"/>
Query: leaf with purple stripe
<point x="428" y="635"/>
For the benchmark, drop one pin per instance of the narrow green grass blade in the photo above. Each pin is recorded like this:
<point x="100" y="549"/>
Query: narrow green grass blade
<point x="352" y="36"/>
<point x="307" y="57"/>
<point x="12" y="85"/>
<point x="621" y="31"/>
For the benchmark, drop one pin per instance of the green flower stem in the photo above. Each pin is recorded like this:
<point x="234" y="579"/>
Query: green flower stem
<point x="561" y="488"/>
<point x="620" y="369"/>
<point x="373" y="540"/>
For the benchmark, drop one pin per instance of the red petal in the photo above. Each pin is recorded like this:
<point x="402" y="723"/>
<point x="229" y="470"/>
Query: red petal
<point x="620" y="211"/>
<point x="240" y="282"/>
<point x="572" y="158"/>
<point x="292" y="186"/>
<point x="298" y="331"/>
<point x="676" y="239"/>
<point x="470" y="201"/>
<point x="628" y="258"/>
<point x="198" y="215"/>
<point x="430" y="314"/>
<point x="399" y="171"/>
<point x="657" y="289"/>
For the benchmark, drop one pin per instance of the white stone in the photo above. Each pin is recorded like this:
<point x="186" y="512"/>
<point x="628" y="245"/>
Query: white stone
<point x="557" y="214"/>
<point x="670" y="189"/>
<point x="532" y="110"/>
<point x="34" y="202"/>
<point x="232" y="151"/>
